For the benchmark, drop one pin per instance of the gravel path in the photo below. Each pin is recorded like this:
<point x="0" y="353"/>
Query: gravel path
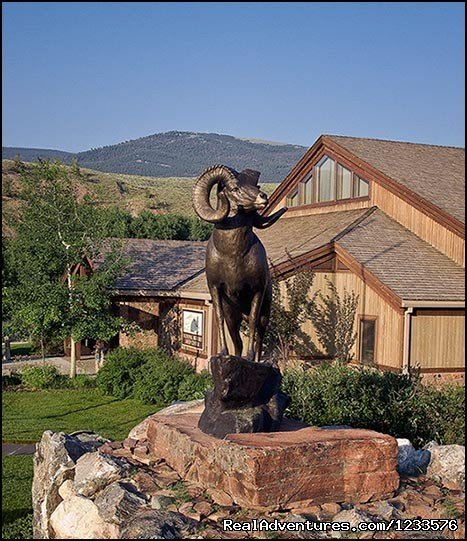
<point x="85" y="365"/>
<point x="16" y="449"/>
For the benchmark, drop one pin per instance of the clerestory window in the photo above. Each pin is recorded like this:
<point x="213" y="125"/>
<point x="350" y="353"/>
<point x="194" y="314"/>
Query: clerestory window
<point x="329" y="181"/>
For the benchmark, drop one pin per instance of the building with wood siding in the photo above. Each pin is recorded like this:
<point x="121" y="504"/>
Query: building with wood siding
<point x="384" y="219"/>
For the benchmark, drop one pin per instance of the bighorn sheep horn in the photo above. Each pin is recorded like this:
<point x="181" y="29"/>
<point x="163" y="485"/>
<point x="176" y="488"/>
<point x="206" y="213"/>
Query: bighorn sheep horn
<point x="217" y="174"/>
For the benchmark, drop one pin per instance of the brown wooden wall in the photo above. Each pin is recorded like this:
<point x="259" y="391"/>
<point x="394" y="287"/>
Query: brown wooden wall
<point x="389" y="322"/>
<point x="145" y="313"/>
<point x="437" y="339"/>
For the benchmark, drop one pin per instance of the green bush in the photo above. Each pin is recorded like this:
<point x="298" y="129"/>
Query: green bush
<point x="438" y="413"/>
<point x="21" y="528"/>
<point x="194" y="386"/>
<point x="391" y="403"/>
<point x="47" y="377"/>
<point x="40" y="377"/>
<point x="13" y="380"/>
<point x="120" y="370"/>
<point x="150" y="375"/>
<point x="81" y="381"/>
<point x="158" y="381"/>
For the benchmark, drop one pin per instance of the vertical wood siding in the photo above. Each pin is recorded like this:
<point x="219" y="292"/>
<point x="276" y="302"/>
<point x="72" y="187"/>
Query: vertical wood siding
<point x="390" y="322"/>
<point x="438" y="339"/>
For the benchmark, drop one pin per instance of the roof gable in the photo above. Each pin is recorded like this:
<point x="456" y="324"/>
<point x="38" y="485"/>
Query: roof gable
<point x="435" y="173"/>
<point x="428" y="177"/>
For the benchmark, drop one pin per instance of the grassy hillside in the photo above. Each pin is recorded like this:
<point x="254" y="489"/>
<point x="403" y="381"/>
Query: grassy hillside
<point x="179" y="154"/>
<point x="128" y="192"/>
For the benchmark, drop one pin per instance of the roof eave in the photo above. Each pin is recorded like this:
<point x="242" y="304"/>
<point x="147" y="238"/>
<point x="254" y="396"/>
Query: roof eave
<point x="432" y="304"/>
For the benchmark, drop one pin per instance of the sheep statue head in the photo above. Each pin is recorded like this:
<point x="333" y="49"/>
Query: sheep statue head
<point x="236" y="263"/>
<point x="236" y="192"/>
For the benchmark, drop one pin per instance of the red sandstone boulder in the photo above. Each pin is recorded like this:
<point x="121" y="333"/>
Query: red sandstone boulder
<point x="280" y="469"/>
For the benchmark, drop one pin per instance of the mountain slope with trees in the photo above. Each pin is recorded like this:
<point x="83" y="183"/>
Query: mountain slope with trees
<point x="178" y="154"/>
<point x="120" y="194"/>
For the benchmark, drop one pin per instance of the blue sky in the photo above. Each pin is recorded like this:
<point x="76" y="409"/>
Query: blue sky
<point x="82" y="75"/>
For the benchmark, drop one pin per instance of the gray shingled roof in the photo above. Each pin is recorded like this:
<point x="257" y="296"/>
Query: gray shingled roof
<point x="160" y="264"/>
<point x="301" y="234"/>
<point x="409" y="266"/>
<point x="435" y="173"/>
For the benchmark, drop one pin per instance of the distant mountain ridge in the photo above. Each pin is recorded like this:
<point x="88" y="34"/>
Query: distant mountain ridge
<point x="178" y="154"/>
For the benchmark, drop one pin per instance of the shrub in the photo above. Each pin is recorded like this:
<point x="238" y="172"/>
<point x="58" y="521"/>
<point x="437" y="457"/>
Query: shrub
<point x="438" y="414"/>
<point x="396" y="404"/>
<point x="21" y="528"/>
<point x="159" y="379"/>
<point x="13" y="380"/>
<point x="150" y="375"/>
<point x="40" y="377"/>
<point x="194" y="386"/>
<point x="120" y="370"/>
<point x="81" y="381"/>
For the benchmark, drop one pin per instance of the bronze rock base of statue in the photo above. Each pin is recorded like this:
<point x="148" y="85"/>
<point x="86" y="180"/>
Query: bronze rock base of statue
<point x="246" y="398"/>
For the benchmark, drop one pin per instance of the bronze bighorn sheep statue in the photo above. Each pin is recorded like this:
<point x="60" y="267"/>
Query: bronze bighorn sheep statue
<point x="237" y="269"/>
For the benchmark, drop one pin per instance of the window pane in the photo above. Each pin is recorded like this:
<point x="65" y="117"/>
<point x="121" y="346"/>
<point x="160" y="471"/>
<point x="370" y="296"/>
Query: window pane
<point x="361" y="187"/>
<point x="367" y="340"/>
<point x="344" y="182"/>
<point x="308" y="191"/>
<point x="292" y="200"/>
<point x="326" y="180"/>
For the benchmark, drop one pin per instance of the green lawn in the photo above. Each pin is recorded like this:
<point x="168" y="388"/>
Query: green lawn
<point x="16" y="497"/>
<point x="26" y="415"/>
<point x="19" y="348"/>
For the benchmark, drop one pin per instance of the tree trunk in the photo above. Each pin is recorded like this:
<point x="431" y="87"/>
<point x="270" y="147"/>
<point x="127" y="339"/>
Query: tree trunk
<point x="7" y="354"/>
<point x="72" y="358"/>
<point x="42" y="350"/>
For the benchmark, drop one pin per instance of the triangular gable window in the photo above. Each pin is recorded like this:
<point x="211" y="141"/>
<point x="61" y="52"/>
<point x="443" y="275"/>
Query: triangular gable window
<point x="329" y="182"/>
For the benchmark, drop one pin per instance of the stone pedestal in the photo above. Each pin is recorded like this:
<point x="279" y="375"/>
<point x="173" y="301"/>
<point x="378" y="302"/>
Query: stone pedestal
<point x="246" y="398"/>
<point x="279" y="470"/>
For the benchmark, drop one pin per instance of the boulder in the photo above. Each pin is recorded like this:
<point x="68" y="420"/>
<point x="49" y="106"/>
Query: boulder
<point x="94" y="471"/>
<point x="54" y="461"/>
<point x="67" y="489"/>
<point x="447" y="464"/>
<point x="181" y="406"/>
<point x="330" y="509"/>
<point x="156" y="524"/>
<point x="411" y="463"/>
<point x="279" y="469"/>
<point x="78" y="518"/>
<point x="160" y="501"/>
<point x="119" y="502"/>
<point x="353" y="516"/>
<point x="246" y="398"/>
<point x="384" y="510"/>
<point x="139" y="432"/>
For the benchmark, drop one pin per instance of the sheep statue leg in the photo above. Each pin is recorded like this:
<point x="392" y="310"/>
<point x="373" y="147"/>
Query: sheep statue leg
<point x="217" y="305"/>
<point x="233" y="319"/>
<point x="253" y="324"/>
